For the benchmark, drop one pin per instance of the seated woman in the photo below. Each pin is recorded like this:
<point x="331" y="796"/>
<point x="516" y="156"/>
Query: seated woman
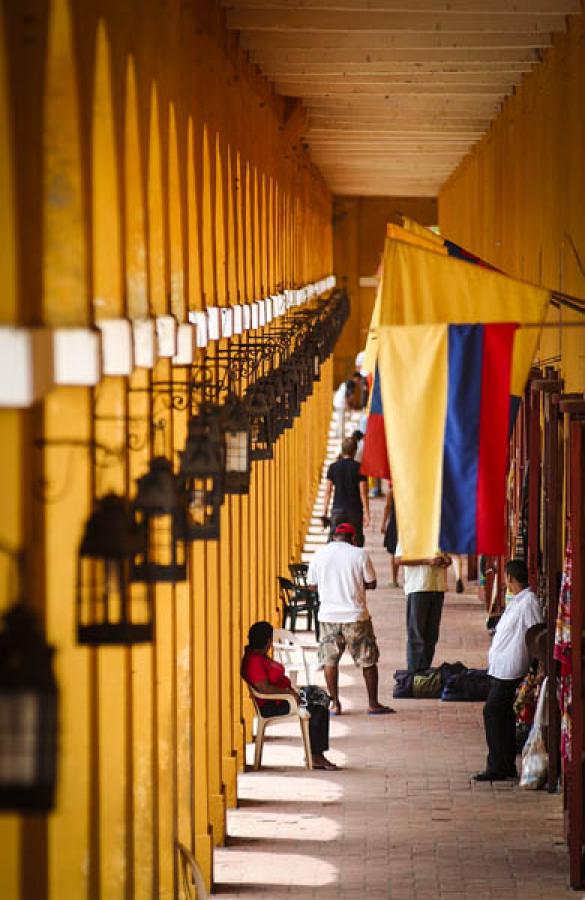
<point x="268" y="677"/>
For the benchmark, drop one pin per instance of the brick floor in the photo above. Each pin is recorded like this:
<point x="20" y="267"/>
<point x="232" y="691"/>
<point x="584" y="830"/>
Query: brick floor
<point x="401" y="821"/>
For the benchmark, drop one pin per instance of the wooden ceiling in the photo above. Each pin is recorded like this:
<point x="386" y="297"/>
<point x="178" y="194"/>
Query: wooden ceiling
<point x="397" y="91"/>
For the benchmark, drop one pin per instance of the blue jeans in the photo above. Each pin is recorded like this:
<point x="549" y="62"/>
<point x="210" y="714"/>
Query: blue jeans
<point x="423" y="618"/>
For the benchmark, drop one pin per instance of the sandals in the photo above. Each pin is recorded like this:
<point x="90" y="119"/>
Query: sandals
<point x="381" y="711"/>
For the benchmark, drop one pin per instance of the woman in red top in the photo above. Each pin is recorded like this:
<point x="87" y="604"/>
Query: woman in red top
<point x="268" y="676"/>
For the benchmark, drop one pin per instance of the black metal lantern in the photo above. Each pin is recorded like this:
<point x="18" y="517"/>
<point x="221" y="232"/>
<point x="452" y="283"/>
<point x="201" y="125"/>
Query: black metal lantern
<point x="109" y="609"/>
<point x="261" y="421"/>
<point x="158" y="515"/>
<point x="278" y="399"/>
<point x="312" y="350"/>
<point x="292" y="377"/>
<point x="28" y="716"/>
<point x="201" y="477"/>
<point x="235" y="424"/>
<point x="302" y="361"/>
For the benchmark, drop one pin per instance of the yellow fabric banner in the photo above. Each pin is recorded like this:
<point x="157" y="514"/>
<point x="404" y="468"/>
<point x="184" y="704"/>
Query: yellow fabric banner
<point x="420" y="286"/>
<point x="413" y="377"/>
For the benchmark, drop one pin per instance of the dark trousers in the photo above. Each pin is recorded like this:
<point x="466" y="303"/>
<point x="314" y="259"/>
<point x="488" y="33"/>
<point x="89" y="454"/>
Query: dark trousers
<point x="356" y="519"/>
<point x="318" y="723"/>
<point x="500" y="726"/>
<point x="423" y="619"/>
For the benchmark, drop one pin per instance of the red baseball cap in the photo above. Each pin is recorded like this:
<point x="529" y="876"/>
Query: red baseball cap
<point x="345" y="528"/>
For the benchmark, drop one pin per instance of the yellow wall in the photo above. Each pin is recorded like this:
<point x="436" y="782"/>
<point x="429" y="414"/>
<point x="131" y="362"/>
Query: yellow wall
<point x="517" y="199"/>
<point x="359" y="231"/>
<point x="144" y="169"/>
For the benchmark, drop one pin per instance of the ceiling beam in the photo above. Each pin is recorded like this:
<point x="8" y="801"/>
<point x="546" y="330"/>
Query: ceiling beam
<point x="518" y="7"/>
<point x="264" y="56"/>
<point x="379" y="40"/>
<point x="319" y="71"/>
<point x="286" y="20"/>
<point x="386" y="89"/>
<point x="402" y="124"/>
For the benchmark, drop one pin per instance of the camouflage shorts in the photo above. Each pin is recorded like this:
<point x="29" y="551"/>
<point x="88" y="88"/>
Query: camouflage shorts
<point x="358" y="637"/>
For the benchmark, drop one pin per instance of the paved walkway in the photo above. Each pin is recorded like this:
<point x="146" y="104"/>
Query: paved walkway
<point x="402" y="820"/>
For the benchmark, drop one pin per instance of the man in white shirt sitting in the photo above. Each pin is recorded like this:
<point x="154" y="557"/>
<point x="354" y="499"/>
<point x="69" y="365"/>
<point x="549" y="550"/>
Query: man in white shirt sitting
<point x="508" y="662"/>
<point x="342" y="573"/>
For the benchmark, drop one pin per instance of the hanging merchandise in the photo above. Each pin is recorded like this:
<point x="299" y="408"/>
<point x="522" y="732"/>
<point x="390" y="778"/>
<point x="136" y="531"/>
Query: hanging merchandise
<point x="562" y="653"/>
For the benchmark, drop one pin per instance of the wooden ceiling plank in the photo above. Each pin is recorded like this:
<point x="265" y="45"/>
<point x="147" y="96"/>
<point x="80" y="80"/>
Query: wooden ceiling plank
<point x="322" y="40"/>
<point x="286" y="20"/>
<point x="518" y="7"/>
<point x="394" y="71"/>
<point x="389" y="89"/>
<point x="341" y="56"/>
<point x="490" y="81"/>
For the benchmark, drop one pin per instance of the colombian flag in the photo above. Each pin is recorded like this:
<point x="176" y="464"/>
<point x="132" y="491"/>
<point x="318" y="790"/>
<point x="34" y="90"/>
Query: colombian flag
<point x="446" y="394"/>
<point x="375" y="455"/>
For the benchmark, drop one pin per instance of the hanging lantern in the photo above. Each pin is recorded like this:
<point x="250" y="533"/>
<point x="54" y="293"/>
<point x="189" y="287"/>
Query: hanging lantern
<point x="261" y="421"/>
<point x="235" y="426"/>
<point x="302" y="361"/>
<point x="201" y="477"/>
<point x="292" y="378"/>
<point x="278" y="400"/>
<point x="28" y="716"/>
<point x="109" y="609"/>
<point x="158" y="516"/>
<point x="312" y="350"/>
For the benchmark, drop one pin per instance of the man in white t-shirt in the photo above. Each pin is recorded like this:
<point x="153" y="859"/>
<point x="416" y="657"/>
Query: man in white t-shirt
<point x="424" y="587"/>
<point x="342" y="573"/>
<point x="508" y="663"/>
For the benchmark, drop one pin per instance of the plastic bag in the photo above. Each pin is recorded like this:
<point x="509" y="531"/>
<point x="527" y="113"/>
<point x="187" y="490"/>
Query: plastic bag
<point x="535" y="754"/>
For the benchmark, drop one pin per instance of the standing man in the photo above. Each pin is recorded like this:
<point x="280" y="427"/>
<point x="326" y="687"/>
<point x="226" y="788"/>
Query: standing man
<point x="508" y="663"/>
<point x="342" y="573"/>
<point x="350" y="491"/>
<point x="424" y="587"/>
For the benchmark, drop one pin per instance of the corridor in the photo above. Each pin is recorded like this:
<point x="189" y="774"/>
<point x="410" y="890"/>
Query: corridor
<point x="401" y="821"/>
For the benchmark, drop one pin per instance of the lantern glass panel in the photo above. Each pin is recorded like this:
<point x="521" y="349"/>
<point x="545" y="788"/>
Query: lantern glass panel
<point x="236" y="447"/>
<point x="201" y="504"/>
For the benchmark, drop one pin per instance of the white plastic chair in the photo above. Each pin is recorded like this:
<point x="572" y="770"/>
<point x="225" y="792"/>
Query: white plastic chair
<point x="192" y="877"/>
<point x="262" y="722"/>
<point x="289" y="651"/>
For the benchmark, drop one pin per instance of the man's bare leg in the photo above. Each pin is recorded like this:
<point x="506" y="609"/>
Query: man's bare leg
<point x="332" y="681"/>
<point x="371" y="679"/>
